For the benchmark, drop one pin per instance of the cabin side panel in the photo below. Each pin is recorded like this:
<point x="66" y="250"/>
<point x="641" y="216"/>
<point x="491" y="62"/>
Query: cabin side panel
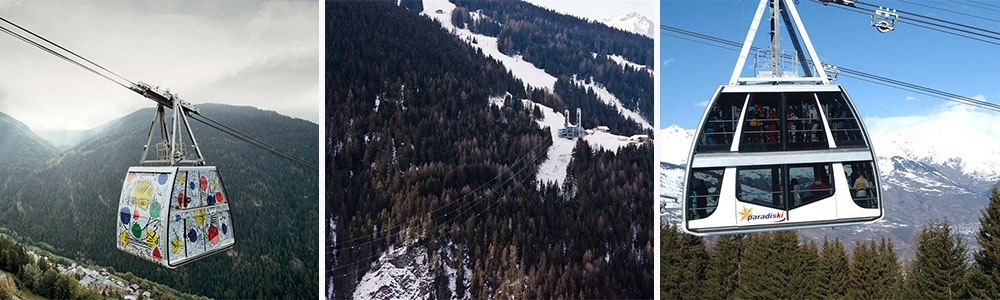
<point x="141" y="220"/>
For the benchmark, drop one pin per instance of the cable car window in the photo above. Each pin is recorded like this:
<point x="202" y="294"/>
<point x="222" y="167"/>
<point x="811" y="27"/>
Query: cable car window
<point x="809" y="183"/>
<point x="864" y="189"/>
<point x="762" y="125"/>
<point x="704" y="186"/>
<point x="761" y="186"/>
<point x="720" y="125"/>
<point x="803" y="124"/>
<point x="843" y="123"/>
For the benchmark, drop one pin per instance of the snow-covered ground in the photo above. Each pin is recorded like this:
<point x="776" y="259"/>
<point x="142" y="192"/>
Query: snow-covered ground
<point x="398" y="274"/>
<point x="625" y="62"/>
<point x="521" y="69"/>
<point x="610" y="99"/>
<point x="553" y="169"/>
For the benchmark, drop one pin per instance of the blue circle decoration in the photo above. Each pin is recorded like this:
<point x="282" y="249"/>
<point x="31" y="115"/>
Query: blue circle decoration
<point x="210" y="200"/>
<point x="224" y="228"/>
<point x="192" y="186"/>
<point x="125" y="215"/>
<point x="193" y="236"/>
<point x="163" y="179"/>
<point x="177" y="217"/>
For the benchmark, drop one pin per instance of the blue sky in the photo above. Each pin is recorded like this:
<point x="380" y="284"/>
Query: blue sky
<point x="690" y="72"/>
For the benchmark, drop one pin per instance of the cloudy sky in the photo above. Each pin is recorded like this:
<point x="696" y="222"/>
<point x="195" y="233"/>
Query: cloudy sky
<point x="254" y="53"/>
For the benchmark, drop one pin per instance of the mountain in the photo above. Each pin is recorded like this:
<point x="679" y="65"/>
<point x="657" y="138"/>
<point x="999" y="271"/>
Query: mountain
<point x="441" y="145"/>
<point x="64" y="204"/>
<point x="925" y="177"/>
<point x="20" y="146"/>
<point x="632" y="22"/>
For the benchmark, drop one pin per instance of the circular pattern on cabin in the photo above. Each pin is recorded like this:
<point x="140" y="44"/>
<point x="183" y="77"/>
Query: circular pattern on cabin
<point x="210" y="200"/>
<point x="213" y="184"/>
<point x="192" y="236"/>
<point x="135" y="214"/>
<point x="136" y="230"/>
<point x="142" y="194"/>
<point x="199" y="217"/>
<point x="125" y="215"/>
<point x="180" y="178"/>
<point x="224" y="228"/>
<point x="203" y="183"/>
<point x="129" y="177"/>
<point x="176" y="246"/>
<point x="177" y="217"/>
<point x="151" y="238"/>
<point x="213" y="235"/>
<point x="156" y="253"/>
<point x="154" y="210"/>
<point x="191" y="185"/>
<point x="123" y="237"/>
<point x="181" y="201"/>
<point x="218" y="197"/>
<point x="162" y="179"/>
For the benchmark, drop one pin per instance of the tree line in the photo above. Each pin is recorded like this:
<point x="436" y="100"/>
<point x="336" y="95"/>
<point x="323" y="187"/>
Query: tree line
<point x="777" y="265"/>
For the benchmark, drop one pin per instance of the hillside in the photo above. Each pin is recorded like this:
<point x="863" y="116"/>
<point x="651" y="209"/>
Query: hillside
<point x="438" y="145"/>
<point x="64" y="204"/>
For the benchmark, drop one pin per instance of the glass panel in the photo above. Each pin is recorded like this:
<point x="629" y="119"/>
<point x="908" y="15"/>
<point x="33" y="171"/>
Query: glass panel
<point x="809" y="183"/>
<point x="761" y="186"/>
<point x="762" y="125"/>
<point x="720" y="124"/>
<point x="843" y="123"/>
<point x="864" y="189"/>
<point x="703" y="191"/>
<point x="803" y="124"/>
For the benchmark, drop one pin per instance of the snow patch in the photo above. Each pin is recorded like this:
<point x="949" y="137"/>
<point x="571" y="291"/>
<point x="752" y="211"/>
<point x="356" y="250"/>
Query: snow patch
<point x="674" y="144"/>
<point x="610" y="99"/>
<point x="398" y="274"/>
<point x="521" y="69"/>
<point x="625" y="62"/>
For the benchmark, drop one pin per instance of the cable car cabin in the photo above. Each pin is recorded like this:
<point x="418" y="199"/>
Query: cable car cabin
<point x="779" y="157"/>
<point x="173" y="215"/>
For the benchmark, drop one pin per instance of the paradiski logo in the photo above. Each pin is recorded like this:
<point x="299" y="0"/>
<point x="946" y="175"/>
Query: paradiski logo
<point x="747" y="215"/>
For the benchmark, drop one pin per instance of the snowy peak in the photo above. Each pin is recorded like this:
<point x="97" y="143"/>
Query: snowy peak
<point x="632" y="22"/>
<point x="674" y="144"/>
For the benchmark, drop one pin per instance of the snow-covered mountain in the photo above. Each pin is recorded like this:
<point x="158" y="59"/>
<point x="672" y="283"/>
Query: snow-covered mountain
<point x="933" y="168"/>
<point x="632" y="22"/>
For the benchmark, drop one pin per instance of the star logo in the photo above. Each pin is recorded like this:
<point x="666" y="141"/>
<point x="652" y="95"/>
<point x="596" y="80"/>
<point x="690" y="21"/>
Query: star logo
<point x="745" y="213"/>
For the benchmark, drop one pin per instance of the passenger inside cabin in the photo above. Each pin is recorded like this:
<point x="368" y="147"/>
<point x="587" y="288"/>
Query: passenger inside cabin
<point x="701" y="199"/>
<point x="819" y="186"/>
<point x="796" y="192"/>
<point x="861" y="184"/>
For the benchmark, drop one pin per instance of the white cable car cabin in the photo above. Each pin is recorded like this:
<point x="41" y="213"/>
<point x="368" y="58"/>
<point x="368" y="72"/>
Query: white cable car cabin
<point x="778" y="152"/>
<point x="172" y="214"/>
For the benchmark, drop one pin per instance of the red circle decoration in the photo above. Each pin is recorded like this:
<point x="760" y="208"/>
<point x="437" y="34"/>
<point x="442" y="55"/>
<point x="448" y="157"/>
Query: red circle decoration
<point x="156" y="253"/>
<point x="130" y="177"/>
<point x="218" y="196"/>
<point x="204" y="183"/>
<point x="135" y="214"/>
<point x="213" y="235"/>
<point x="180" y="200"/>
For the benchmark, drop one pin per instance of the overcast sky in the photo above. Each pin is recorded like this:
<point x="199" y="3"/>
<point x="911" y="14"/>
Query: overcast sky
<point x="600" y="10"/>
<point x="254" y="53"/>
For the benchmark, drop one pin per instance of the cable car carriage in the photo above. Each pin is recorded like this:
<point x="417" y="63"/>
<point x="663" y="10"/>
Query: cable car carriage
<point x="780" y="151"/>
<point x="172" y="214"/>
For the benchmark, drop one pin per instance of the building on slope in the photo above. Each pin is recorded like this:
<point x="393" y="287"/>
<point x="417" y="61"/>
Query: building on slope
<point x="571" y="131"/>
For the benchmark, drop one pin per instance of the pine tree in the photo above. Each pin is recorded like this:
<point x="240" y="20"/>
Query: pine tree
<point x="862" y="276"/>
<point x="799" y="264"/>
<point x="682" y="264"/>
<point x="833" y="269"/>
<point x="758" y="279"/>
<point x="988" y="258"/>
<point x="723" y="267"/>
<point x="888" y="269"/>
<point x="940" y="269"/>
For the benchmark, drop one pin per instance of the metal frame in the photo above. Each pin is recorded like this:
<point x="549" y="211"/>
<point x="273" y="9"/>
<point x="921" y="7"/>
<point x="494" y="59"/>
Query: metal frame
<point x="790" y="16"/>
<point x="170" y="142"/>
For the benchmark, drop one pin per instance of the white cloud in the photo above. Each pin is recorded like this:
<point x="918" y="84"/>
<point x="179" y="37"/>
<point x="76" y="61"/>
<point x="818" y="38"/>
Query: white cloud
<point x="666" y="62"/>
<point x="700" y="103"/>
<point x="910" y="98"/>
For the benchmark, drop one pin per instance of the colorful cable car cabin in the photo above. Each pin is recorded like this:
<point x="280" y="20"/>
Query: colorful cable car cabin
<point x="173" y="210"/>
<point x="173" y="215"/>
<point x="779" y="151"/>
